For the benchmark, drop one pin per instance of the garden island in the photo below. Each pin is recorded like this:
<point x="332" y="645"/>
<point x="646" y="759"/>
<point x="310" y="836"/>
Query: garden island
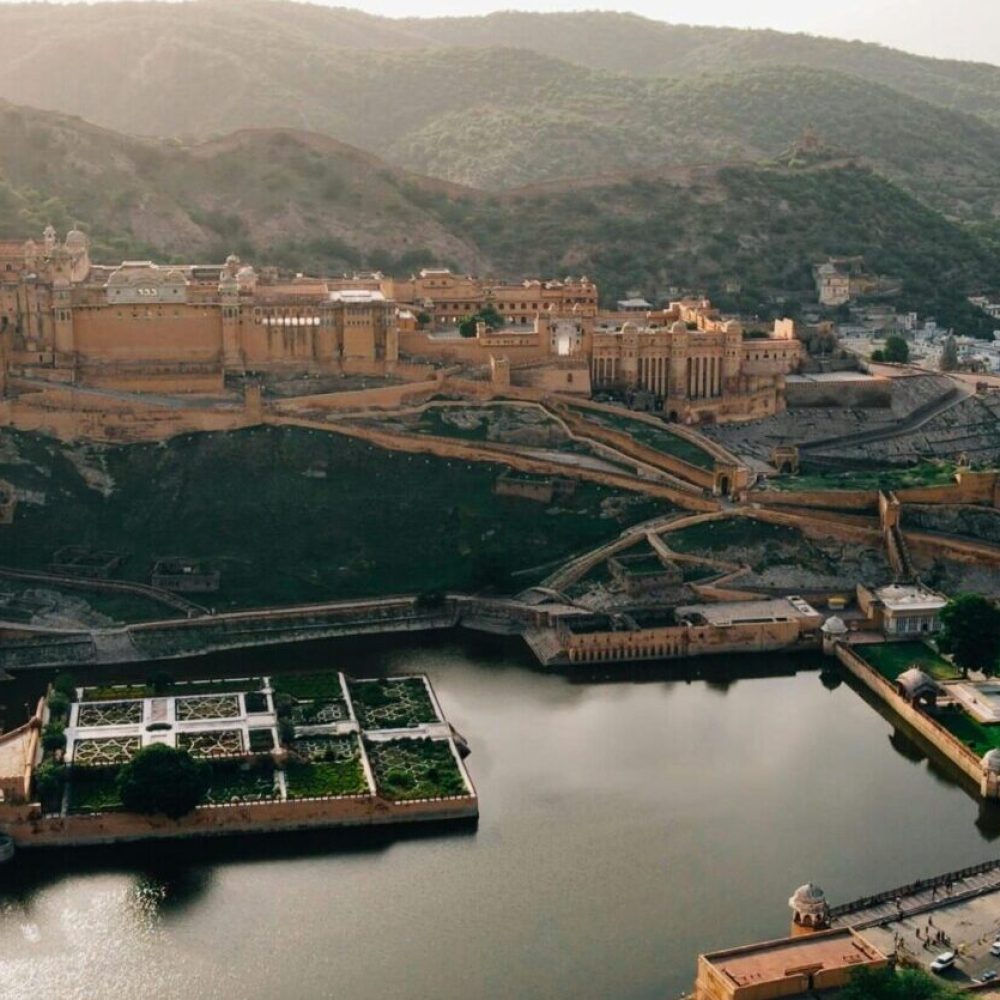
<point x="126" y="762"/>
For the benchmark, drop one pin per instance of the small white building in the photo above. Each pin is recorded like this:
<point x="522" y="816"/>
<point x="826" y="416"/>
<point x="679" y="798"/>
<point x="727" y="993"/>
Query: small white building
<point x="903" y="609"/>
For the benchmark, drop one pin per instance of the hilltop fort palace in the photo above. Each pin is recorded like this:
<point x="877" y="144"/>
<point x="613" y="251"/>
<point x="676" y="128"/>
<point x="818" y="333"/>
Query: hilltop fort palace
<point x="184" y="327"/>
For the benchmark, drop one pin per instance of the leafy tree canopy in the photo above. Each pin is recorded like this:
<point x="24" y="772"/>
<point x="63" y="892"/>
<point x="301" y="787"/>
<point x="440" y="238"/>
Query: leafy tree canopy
<point x="162" y="779"/>
<point x="897" y="350"/>
<point x="949" y="354"/>
<point x="972" y="632"/>
<point x="487" y="315"/>
<point x="902" y="984"/>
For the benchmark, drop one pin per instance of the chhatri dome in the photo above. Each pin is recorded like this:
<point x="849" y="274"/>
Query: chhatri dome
<point x="809" y="907"/>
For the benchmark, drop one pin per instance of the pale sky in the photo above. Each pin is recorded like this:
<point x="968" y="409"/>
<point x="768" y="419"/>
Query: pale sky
<point x="960" y="29"/>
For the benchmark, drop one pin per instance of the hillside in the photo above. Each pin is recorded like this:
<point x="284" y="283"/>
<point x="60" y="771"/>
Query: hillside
<point x="305" y="201"/>
<point x="512" y="99"/>
<point x="293" y="196"/>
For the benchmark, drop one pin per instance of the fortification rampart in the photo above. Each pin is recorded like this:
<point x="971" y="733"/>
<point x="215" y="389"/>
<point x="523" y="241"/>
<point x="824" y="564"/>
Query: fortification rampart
<point x="848" y="500"/>
<point x="503" y="455"/>
<point x="627" y="445"/>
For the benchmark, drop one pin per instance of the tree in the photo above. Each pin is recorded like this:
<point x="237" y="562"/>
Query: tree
<point x="897" y="350"/>
<point x="971" y="632"/>
<point x="899" y="984"/>
<point x="878" y="354"/>
<point x="162" y="779"/>
<point x="949" y="354"/>
<point x="487" y="315"/>
<point x="65" y="684"/>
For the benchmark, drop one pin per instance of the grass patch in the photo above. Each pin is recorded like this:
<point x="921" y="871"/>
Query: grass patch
<point x="660" y="440"/>
<point x="977" y="737"/>
<point x="310" y="687"/>
<point x="922" y="474"/>
<point x="415" y="769"/>
<point x="94" y="790"/>
<point x="241" y="781"/>
<point x="392" y="703"/>
<point x="261" y="740"/>
<point x="891" y="659"/>
<point x="325" y="765"/>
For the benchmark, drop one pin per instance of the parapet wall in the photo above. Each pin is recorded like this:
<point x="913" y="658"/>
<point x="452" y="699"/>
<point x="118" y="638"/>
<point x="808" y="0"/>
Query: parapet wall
<point x="849" y="500"/>
<point x="939" y="737"/>
<point x="30" y="829"/>
<point x="844" y="394"/>
<point x="504" y="455"/>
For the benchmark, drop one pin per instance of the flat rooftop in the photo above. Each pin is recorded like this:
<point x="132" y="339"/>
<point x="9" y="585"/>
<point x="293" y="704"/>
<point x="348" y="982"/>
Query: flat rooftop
<point x="835" y="377"/>
<point x="774" y="961"/>
<point x="778" y="609"/>
<point x="981" y="699"/>
<point x="910" y="597"/>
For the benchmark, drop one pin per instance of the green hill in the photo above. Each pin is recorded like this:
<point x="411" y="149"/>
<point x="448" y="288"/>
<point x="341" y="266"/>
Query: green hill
<point x="511" y="99"/>
<point x="307" y="202"/>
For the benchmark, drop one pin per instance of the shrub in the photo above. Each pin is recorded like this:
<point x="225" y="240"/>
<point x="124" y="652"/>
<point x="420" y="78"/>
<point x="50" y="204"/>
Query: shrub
<point x="49" y="780"/>
<point x="399" y="779"/>
<point x="65" y="684"/>
<point x="58" y="704"/>
<point x="53" y="737"/>
<point x="162" y="779"/>
<point x="283" y="704"/>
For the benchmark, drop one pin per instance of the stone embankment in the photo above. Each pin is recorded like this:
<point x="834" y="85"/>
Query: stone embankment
<point x="179" y="638"/>
<point x="158" y="594"/>
<point x="31" y="829"/>
<point x="952" y="749"/>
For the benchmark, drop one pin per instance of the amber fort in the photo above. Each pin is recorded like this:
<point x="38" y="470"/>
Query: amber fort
<point x="139" y="325"/>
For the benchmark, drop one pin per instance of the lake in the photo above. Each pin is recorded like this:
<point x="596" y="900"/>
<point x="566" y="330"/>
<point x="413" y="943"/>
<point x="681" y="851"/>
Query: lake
<point x="629" y="821"/>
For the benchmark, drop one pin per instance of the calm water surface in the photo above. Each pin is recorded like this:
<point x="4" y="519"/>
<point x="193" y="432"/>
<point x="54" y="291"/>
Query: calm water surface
<point x="625" y="827"/>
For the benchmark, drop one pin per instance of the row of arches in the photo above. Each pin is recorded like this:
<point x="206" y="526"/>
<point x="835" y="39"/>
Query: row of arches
<point x="648" y="651"/>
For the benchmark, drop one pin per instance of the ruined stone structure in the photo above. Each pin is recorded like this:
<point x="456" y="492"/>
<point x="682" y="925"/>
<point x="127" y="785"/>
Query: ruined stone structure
<point x="180" y="327"/>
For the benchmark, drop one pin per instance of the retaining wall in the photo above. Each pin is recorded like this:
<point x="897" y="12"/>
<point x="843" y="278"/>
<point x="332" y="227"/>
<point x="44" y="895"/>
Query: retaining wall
<point x="939" y="737"/>
<point x="30" y="829"/>
<point x="502" y="455"/>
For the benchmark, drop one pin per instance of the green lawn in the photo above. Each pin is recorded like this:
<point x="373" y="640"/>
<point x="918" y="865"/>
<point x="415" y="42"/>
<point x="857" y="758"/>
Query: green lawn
<point x="290" y="515"/>
<point x="94" y="790"/>
<point x="891" y="659"/>
<point x="415" y="769"/>
<point x="661" y="440"/>
<point x="315" y="779"/>
<point x="977" y="737"/>
<point x="924" y="474"/>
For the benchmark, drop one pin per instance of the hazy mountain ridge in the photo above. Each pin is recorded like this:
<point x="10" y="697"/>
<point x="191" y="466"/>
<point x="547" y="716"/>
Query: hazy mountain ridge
<point x="305" y="201"/>
<point x="569" y="95"/>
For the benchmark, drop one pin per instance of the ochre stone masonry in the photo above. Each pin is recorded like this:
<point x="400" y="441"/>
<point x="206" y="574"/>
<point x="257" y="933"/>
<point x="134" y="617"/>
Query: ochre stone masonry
<point x="143" y="327"/>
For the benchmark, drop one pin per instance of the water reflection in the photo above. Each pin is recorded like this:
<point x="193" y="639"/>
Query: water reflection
<point x="632" y="816"/>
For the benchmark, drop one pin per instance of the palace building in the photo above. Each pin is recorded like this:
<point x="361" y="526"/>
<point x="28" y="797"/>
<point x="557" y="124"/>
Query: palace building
<point x="694" y="364"/>
<point x="63" y="317"/>
<point x="449" y="298"/>
<point x="184" y="327"/>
